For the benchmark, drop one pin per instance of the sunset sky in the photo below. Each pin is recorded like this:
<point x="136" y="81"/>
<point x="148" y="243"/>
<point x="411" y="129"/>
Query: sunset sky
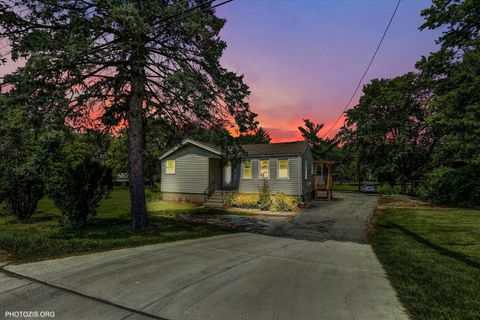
<point x="303" y="58"/>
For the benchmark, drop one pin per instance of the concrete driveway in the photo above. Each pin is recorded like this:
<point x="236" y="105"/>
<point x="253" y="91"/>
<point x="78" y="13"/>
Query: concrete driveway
<point x="240" y="276"/>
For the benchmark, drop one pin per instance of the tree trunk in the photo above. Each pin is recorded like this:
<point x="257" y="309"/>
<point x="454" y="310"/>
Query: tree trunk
<point x="136" y="152"/>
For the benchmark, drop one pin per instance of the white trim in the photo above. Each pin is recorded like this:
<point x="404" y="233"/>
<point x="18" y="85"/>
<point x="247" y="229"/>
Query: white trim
<point x="260" y="168"/>
<point x="184" y="142"/>
<point x="242" y="172"/>
<point x="288" y="169"/>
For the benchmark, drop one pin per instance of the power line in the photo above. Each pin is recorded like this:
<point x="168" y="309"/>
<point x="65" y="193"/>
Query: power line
<point x="366" y="70"/>
<point x="204" y="9"/>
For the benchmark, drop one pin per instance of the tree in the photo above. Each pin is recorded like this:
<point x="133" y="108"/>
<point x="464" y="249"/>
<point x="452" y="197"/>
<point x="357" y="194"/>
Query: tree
<point x="77" y="180"/>
<point x="389" y="130"/>
<point x="21" y="179"/>
<point x="129" y="60"/>
<point x="259" y="136"/>
<point x="321" y="148"/>
<point x="453" y="73"/>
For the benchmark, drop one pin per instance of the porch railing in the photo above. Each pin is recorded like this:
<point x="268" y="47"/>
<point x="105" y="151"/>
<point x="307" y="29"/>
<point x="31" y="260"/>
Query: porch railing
<point x="209" y="190"/>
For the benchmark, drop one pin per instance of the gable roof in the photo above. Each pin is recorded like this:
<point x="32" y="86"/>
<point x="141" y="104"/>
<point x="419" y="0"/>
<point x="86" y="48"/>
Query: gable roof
<point x="275" y="149"/>
<point x="203" y="145"/>
<point x="294" y="148"/>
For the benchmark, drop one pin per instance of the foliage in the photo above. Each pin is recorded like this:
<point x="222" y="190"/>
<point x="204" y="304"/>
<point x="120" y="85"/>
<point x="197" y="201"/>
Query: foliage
<point x="283" y="203"/>
<point x="388" y="129"/>
<point x="23" y="151"/>
<point x="128" y="61"/>
<point x="43" y="237"/>
<point x="77" y="181"/>
<point x="454" y="76"/>
<point x="246" y="200"/>
<point x="264" y="201"/>
<point x="258" y="136"/>
<point x="431" y="257"/>
<point x="321" y="148"/>
<point x="453" y="186"/>
<point x="277" y="202"/>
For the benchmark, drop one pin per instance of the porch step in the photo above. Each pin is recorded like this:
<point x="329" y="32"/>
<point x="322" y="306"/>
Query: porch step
<point x="217" y="199"/>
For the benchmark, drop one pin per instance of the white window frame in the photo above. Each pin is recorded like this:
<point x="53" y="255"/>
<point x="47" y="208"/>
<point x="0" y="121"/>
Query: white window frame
<point x="251" y="169"/>
<point x="260" y="169"/>
<point x="174" y="167"/>
<point x="288" y="169"/>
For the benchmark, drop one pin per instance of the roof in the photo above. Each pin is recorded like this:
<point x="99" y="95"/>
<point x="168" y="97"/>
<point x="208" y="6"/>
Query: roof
<point x="275" y="149"/>
<point x="206" y="146"/>
<point x="251" y="150"/>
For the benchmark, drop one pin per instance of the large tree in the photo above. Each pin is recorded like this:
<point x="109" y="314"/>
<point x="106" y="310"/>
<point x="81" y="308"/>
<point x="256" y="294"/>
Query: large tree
<point x="389" y="131"/>
<point x="453" y="73"/>
<point x="128" y="61"/>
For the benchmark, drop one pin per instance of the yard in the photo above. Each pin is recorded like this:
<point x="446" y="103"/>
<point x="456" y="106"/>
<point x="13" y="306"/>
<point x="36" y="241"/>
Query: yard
<point x="44" y="238"/>
<point x="432" y="257"/>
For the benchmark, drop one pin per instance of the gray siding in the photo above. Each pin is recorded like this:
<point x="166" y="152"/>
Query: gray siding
<point x="307" y="183"/>
<point x="290" y="186"/>
<point x="191" y="170"/>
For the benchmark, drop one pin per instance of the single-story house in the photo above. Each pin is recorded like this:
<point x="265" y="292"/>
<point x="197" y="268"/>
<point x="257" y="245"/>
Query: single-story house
<point x="193" y="170"/>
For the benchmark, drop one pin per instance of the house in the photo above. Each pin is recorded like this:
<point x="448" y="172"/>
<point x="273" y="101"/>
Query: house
<point x="193" y="170"/>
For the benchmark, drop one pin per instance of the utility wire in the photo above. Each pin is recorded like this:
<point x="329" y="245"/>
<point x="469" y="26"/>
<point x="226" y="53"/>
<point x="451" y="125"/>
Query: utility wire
<point x="366" y="70"/>
<point x="197" y="12"/>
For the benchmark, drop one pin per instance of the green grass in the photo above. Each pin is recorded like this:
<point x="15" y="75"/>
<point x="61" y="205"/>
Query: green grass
<point x="43" y="237"/>
<point x="432" y="258"/>
<point x="345" y="187"/>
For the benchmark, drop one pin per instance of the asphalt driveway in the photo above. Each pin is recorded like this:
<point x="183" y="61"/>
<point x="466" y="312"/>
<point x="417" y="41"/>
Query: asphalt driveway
<point x="346" y="218"/>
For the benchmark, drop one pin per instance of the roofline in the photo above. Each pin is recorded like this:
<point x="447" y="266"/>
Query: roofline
<point x="273" y="155"/>
<point x="184" y="142"/>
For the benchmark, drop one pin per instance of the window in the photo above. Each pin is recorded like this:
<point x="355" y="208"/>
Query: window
<point x="170" y="167"/>
<point x="283" y="169"/>
<point x="264" y="168"/>
<point x="247" y="169"/>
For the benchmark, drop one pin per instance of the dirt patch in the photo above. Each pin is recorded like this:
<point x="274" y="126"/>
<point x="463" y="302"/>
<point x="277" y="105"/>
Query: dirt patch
<point x="387" y="202"/>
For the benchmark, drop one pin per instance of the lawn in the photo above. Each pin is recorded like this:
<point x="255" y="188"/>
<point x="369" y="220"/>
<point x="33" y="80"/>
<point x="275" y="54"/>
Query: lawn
<point x="432" y="257"/>
<point x="44" y="238"/>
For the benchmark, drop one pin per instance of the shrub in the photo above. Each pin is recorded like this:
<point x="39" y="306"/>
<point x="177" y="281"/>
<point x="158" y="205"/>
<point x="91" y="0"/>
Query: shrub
<point x="265" y="200"/>
<point x="77" y="182"/>
<point x="282" y="202"/>
<point x="21" y="188"/>
<point x="153" y="195"/>
<point x="231" y="200"/>
<point x="246" y="200"/>
<point x="453" y="186"/>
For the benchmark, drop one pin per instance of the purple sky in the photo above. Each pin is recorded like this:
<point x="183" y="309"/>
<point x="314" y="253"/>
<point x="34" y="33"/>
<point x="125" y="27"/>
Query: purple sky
<point x="303" y="58"/>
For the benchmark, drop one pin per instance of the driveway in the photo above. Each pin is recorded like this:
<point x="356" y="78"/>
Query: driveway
<point x="345" y="218"/>
<point x="239" y="276"/>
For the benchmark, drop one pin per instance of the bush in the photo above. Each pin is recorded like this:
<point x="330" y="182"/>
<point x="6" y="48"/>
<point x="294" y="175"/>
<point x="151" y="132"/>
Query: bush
<point x="264" y="201"/>
<point x="453" y="186"/>
<point x="21" y="188"/>
<point x="246" y="200"/>
<point x="77" y="182"/>
<point x="282" y="202"/>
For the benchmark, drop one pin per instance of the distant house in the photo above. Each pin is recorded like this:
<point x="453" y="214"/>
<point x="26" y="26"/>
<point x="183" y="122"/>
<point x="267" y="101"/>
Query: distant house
<point x="193" y="170"/>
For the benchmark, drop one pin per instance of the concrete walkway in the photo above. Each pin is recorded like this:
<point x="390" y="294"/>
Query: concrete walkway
<point x="240" y="276"/>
